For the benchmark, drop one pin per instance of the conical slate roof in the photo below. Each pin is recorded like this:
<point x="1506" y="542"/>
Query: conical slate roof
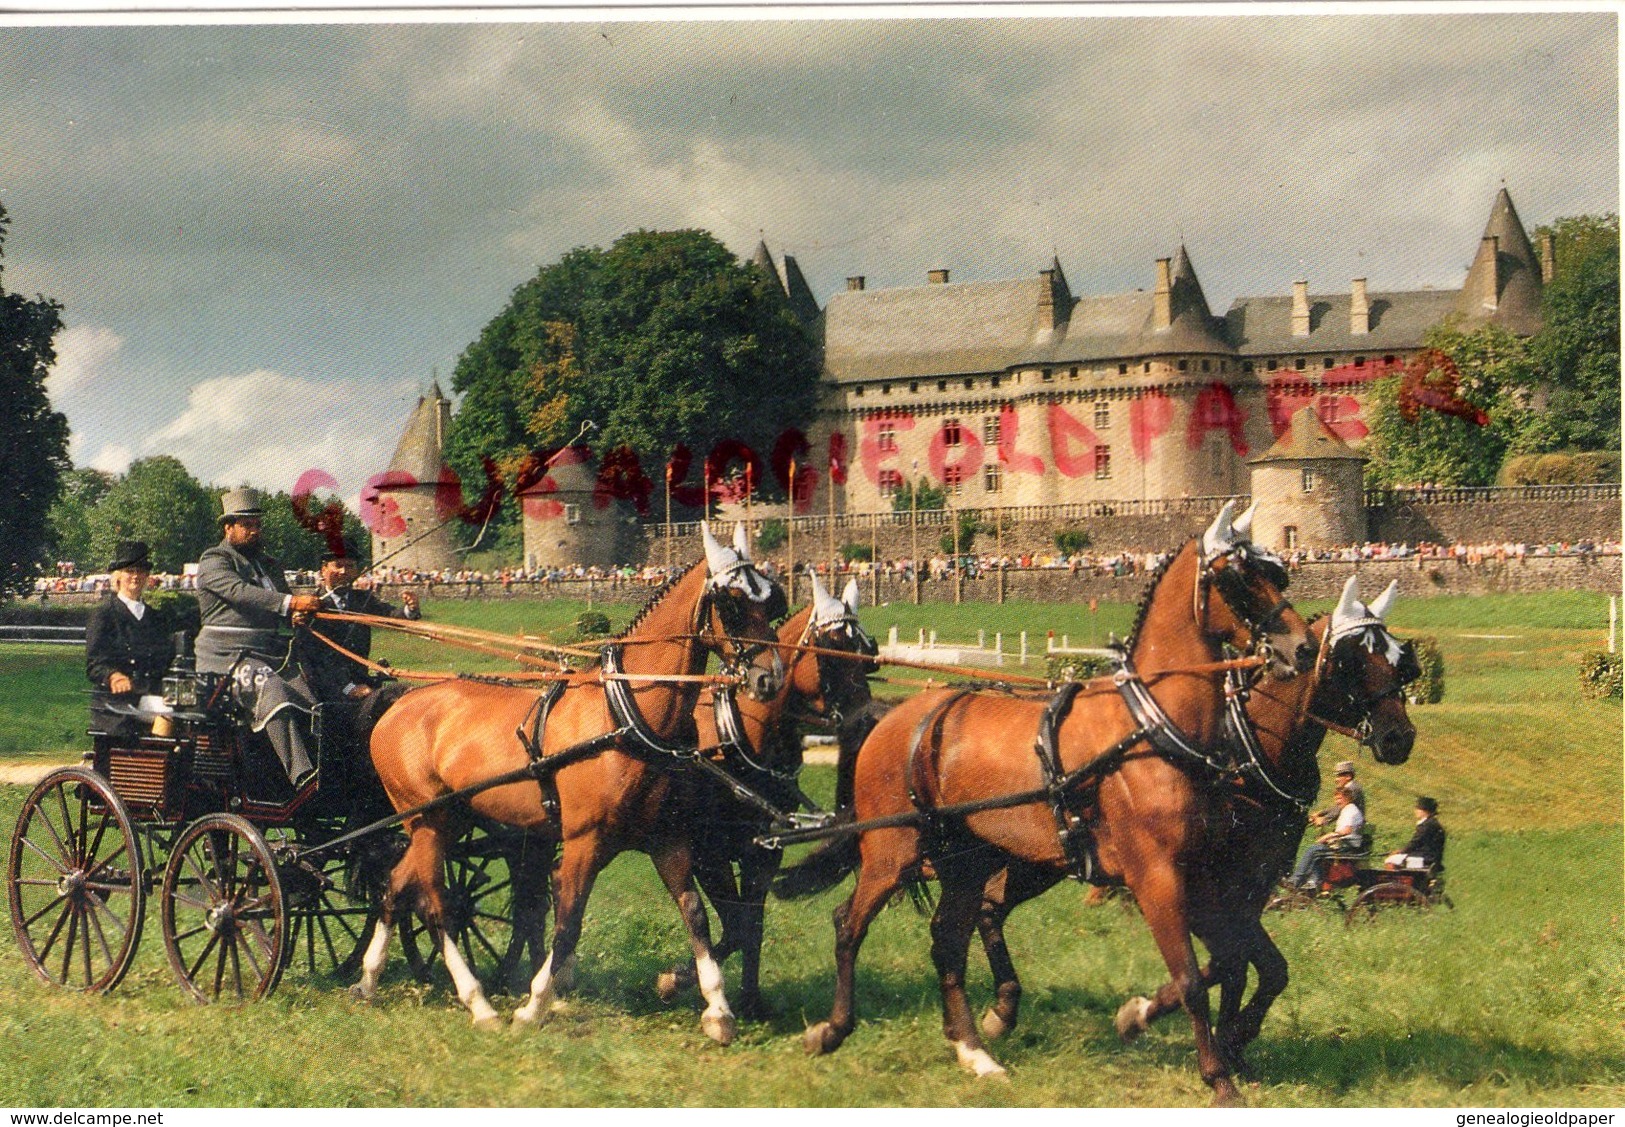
<point x="1306" y="438"/>
<point x="1192" y="327"/>
<point x="791" y="282"/>
<point x="1503" y="287"/>
<point x="420" y="451"/>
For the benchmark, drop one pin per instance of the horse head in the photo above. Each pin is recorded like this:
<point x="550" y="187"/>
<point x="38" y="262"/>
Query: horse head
<point x="1368" y="668"/>
<point x="1250" y="612"/>
<point x="842" y="683"/>
<point x="735" y="617"/>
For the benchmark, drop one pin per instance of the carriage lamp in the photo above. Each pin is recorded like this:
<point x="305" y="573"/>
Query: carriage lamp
<point x="180" y="683"/>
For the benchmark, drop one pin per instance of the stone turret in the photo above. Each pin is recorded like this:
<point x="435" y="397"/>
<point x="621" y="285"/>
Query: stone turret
<point x="420" y="493"/>
<point x="1310" y="489"/>
<point x="1503" y="285"/>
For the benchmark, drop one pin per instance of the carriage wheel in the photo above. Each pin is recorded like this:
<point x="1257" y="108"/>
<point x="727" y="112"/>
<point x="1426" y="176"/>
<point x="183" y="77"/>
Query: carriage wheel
<point x="1290" y="900"/>
<point x="77" y="886"/>
<point x="225" y="922"/>
<point x="480" y="905"/>
<point x="1366" y="904"/>
<point x="332" y="913"/>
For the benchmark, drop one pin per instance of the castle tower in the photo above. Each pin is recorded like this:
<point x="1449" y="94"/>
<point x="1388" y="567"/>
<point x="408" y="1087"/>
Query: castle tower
<point x="1503" y="285"/>
<point x="1310" y="488"/>
<point x="567" y="524"/>
<point x="421" y="493"/>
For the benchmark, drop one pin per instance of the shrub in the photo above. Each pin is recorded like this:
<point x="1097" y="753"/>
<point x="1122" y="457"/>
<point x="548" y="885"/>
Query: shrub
<point x="1076" y="667"/>
<point x="1071" y="541"/>
<point x="1429" y="687"/>
<point x="1601" y="675"/>
<point x="1564" y="468"/>
<point x="772" y="535"/>
<point x="853" y="553"/>
<point x="592" y="624"/>
<point x="964" y="535"/>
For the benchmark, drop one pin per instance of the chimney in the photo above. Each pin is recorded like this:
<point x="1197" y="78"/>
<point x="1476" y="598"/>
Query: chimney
<point x="1300" y="308"/>
<point x="1490" y="298"/>
<point x="1046" y="299"/>
<point x="1548" y="257"/>
<point x="937" y="277"/>
<point x="1359" y="309"/>
<point x="855" y="282"/>
<point x="1162" y="298"/>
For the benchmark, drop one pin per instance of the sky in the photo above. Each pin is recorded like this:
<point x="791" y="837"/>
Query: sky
<point x="267" y="240"/>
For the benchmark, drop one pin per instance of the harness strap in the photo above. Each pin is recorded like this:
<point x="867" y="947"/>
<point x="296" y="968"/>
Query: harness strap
<point x="624" y="711"/>
<point x="1160" y="730"/>
<point x="1242" y="736"/>
<point x="1077" y="839"/>
<point x="530" y="733"/>
<point x="915" y="771"/>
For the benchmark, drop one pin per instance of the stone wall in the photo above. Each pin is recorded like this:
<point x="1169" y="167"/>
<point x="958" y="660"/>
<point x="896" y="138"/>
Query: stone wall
<point x="1479" y="522"/>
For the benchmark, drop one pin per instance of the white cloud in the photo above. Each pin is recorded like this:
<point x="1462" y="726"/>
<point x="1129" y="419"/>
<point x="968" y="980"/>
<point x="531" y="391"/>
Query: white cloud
<point x="266" y="428"/>
<point x="83" y="352"/>
<point x="113" y="457"/>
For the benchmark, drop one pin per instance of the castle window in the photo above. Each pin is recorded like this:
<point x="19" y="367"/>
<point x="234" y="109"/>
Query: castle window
<point x="1184" y="365"/>
<point x="993" y="477"/>
<point x="996" y="381"/>
<point x="1147" y="367"/>
<point x="1327" y="363"/>
<point x="1290" y="532"/>
<point x="990" y="430"/>
<point x="859" y="390"/>
<point x="1247" y="365"/>
<point x="942" y="385"/>
<point x="953" y="480"/>
<point x="1308" y="480"/>
<point x="1103" y="463"/>
<point x="1272" y="365"/>
<point x="1103" y="415"/>
<point x="886" y="438"/>
<point x="1049" y="375"/>
<point x="1122" y="369"/>
<point x="1073" y="374"/>
<point x="1331" y="409"/>
<point x="970" y="385"/>
<point x="1215" y="460"/>
<point x="1207" y="365"/>
<point x="885" y="389"/>
<point x="890" y="482"/>
<point x="1224" y="365"/>
<point x="1359" y="361"/>
<point x="913" y="386"/>
<point x="572" y="514"/>
<point x="1388" y="359"/>
<point x="1299" y="363"/>
<point x="951" y="435"/>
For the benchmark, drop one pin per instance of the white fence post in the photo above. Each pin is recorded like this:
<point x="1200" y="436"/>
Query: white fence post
<point x="1613" y="618"/>
<point x="1024" y="647"/>
<point x="998" y="648"/>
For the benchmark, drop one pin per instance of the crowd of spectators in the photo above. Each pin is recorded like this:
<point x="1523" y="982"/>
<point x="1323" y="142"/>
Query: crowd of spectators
<point x="472" y="583"/>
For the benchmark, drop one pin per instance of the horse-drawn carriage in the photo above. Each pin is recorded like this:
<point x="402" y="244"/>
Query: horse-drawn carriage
<point x="1358" y="890"/>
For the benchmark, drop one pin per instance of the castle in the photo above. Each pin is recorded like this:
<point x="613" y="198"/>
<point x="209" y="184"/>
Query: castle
<point x="1016" y="393"/>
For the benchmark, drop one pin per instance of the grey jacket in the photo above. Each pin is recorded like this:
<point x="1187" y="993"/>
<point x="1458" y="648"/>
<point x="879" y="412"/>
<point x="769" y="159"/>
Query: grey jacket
<point x="241" y="603"/>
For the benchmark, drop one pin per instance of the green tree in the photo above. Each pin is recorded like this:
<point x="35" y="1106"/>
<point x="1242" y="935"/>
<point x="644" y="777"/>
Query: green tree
<point x="295" y="546"/>
<point x="33" y="437"/>
<point x="1576" y="351"/>
<point x="930" y="497"/>
<point x="1444" y="448"/>
<point x="160" y="502"/>
<point x="82" y="491"/>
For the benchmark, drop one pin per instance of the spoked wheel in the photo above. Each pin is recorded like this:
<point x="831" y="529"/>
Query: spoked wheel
<point x="224" y="918"/>
<point x="1399" y="894"/>
<point x="332" y="905"/>
<point x="487" y="877"/>
<point x="77" y="885"/>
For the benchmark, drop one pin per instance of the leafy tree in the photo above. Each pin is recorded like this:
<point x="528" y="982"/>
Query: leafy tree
<point x="1577" y="350"/>
<point x="930" y="497"/>
<point x="82" y="491"/>
<point x="295" y="545"/>
<point x="33" y="437"/>
<point x="1431" y="433"/>
<point x="160" y="502"/>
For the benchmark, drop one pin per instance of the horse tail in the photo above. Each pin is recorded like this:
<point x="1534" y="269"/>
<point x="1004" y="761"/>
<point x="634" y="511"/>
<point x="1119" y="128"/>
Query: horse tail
<point x="827" y="865"/>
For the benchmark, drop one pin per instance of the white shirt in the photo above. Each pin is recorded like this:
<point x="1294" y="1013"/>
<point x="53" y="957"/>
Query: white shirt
<point x="136" y="608"/>
<point x="1350" y="822"/>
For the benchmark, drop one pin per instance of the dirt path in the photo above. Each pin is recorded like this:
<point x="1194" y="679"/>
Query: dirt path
<point x="27" y="772"/>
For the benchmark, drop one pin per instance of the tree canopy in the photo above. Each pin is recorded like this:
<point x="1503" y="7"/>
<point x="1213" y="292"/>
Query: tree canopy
<point x="1577" y="350"/>
<point x="663" y="340"/>
<point x="160" y="502"/>
<point x="33" y="437"/>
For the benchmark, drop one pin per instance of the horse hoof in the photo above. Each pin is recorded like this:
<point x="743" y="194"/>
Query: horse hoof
<point x="666" y="986"/>
<point x="1226" y="1095"/>
<point x="820" y="1039"/>
<point x="994" y="1026"/>
<point x="979" y="1062"/>
<point x="359" y="995"/>
<point x="1131" y="1018"/>
<point x="721" y="1028"/>
<point x="488" y="1024"/>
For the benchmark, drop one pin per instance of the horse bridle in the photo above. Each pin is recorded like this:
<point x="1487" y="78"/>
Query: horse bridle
<point x="1363" y="704"/>
<point x="1239" y="597"/>
<point x="736" y="653"/>
<point x="865" y="648"/>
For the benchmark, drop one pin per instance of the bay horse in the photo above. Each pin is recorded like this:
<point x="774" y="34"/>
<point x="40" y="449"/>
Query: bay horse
<point x="762" y="745"/>
<point x="1123" y="775"/>
<point x="1272" y="738"/>
<point x="620" y="730"/>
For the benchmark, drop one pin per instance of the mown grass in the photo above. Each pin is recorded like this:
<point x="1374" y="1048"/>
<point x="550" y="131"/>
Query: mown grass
<point x="1517" y="997"/>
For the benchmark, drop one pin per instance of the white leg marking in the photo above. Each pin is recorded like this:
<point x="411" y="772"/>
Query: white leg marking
<point x="541" y="993"/>
<point x="468" y="987"/>
<point x="977" y="1060"/>
<point x="718" y="1020"/>
<point x="372" y="963"/>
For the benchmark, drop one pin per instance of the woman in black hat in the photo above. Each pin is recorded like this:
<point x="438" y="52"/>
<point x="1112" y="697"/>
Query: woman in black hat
<point x="127" y="642"/>
<point x="1425" y="850"/>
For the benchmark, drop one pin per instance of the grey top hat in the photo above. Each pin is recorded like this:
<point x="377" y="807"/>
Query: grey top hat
<point x="243" y="502"/>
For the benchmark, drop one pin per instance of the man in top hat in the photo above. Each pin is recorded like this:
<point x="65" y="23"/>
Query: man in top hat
<point x="243" y="599"/>
<point x="1425" y="850"/>
<point x="334" y="676"/>
<point x="127" y="642"/>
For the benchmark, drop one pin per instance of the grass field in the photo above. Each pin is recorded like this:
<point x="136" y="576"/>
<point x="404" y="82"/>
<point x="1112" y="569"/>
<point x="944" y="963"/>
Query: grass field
<point x="1517" y="997"/>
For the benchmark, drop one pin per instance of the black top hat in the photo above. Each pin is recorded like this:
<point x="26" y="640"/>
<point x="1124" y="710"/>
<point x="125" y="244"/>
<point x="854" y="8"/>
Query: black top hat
<point x="343" y="550"/>
<point x="130" y="554"/>
<point x="1430" y="805"/>
<point x="241" y="503"/>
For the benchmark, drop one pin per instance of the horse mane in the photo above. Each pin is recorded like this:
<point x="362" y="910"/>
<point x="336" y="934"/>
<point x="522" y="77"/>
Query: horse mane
<point x="1145" y="599"/>
<point x="654" y="601"/>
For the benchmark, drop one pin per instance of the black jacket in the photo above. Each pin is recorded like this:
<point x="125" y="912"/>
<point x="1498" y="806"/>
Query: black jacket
<point x="115" y="642"/>
<point x="328" y="671"/>
<point x="1427" y="842"/>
